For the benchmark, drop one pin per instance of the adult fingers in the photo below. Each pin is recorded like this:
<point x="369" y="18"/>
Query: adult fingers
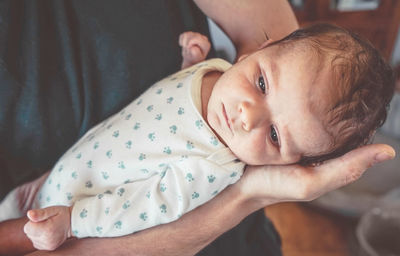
<point x="350" y="167"/>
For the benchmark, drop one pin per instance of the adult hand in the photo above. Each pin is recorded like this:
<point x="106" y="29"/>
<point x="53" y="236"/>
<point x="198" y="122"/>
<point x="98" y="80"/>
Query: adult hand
<point x="266" y="185"/>
<point x="259" y="187"/>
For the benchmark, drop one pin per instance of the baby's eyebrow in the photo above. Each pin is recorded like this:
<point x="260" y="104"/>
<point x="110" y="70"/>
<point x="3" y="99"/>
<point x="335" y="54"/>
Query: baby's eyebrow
<point x="275" y="71"/>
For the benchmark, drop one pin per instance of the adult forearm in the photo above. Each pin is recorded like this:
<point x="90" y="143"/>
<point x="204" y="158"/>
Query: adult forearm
<point x="13" y="240"/>
<point x="247" y="22"/>
<point x="186" y="236"/>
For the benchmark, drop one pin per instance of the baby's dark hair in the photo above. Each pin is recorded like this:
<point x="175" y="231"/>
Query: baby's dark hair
<point x="362" y="80"/>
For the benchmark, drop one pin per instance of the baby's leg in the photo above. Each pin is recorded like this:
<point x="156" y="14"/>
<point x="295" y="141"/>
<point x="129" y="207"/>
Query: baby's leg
<point x="195" y="48"/>
<point x="20" y="199"/>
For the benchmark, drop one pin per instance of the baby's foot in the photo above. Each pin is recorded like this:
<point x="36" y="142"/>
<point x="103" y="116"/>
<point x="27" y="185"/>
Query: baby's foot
<point x="195" y="48"/>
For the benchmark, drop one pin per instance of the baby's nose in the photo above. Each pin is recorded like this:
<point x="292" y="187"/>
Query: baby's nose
<point x="251" y="115"/>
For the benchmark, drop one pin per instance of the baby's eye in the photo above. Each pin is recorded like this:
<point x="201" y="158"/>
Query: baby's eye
<point x="261" y="83"/>
<point x="274" y="136"/>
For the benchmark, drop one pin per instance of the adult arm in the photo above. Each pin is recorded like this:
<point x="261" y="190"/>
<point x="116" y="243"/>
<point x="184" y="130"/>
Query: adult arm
<point x="259" y="187"/>
<point x="247" y="23"/>
<point x="13" y="240"/>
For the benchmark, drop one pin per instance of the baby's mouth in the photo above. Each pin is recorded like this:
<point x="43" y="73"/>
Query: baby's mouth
<point x="226" y="117"/>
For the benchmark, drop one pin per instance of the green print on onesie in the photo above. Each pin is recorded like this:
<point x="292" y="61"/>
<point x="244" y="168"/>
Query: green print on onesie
<point x="99" y="229"/>
<point x="167" y="150"/>
<point x="118" y="224"/>
<point x="126" y="205"/>
<point x="143" y="216"/>
<point x="189" y="177"/>
<point x="121" y="191"/>
<point x="189" y="145"/>
<point x="83" y="213"/>
<point x="109" y="153"/>
<point x="137" y="126"/>
<point x="128" y="116"/>
<point x="105" y="175"/>
<point x="199" y="124"/>
<point x="74" y="175"/>
<point x="158" y="117"/>
<point x="142" y="156"/>
<point x="69" y="196"/>
<point x="121" y="165"/>
<point x="163" y="187"/>
<point x="214" y="140"/>
<point x="89" y="184"/>
<point x="172" y="129"/>
<point x="211" y="178"/>
<point x="151" y="136"/>
<point x="163" y="208"/>
<point x="195" y="195"/>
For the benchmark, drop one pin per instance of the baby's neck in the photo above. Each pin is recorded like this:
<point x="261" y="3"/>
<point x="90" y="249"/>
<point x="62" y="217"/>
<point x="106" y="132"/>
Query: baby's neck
<point x="207" y="86"/>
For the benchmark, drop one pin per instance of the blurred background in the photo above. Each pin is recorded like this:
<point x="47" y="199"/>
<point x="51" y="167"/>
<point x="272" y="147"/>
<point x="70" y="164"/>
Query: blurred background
<point x="362" y="219"/>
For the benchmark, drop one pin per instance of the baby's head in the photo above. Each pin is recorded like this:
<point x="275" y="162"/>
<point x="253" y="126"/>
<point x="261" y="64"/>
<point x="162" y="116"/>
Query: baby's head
<point x="311" y="96"/>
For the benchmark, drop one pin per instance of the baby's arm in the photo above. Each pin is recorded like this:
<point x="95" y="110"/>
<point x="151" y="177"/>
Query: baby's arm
<point x="49" y="227"/>
<point x="195" y="48"/>
<point x="133" y="206"/>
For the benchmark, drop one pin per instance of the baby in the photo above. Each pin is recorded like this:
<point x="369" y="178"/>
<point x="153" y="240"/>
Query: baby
<point x="311" y="96"/>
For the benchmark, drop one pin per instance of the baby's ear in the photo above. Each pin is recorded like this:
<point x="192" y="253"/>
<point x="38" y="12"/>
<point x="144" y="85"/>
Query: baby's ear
<point x="265" y="44"/>
<point x="242" y="57"/>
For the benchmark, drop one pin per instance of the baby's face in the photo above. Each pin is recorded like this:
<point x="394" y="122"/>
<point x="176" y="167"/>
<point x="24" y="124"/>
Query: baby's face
<point x="261" y="107"/>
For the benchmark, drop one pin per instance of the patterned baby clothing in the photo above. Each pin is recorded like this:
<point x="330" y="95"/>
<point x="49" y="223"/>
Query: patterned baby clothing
<point x="147" y="165"/>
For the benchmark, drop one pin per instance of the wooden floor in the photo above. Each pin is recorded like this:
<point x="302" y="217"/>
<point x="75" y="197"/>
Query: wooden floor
<point x="306" y="231"/>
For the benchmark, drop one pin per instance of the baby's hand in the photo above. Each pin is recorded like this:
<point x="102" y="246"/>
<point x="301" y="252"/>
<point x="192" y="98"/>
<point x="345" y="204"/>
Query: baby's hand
<point x="49" y="227"/>
<point x="195" y="48"/>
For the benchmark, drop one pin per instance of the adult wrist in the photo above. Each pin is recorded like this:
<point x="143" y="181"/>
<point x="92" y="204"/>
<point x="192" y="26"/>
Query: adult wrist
<point x="247" y="196"/>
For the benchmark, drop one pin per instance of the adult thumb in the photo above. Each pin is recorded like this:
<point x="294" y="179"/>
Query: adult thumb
<point x="350" y="167"/>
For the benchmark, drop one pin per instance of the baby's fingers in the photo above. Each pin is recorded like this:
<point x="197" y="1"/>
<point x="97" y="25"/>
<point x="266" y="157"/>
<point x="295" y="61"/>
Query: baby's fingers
<point x="38" y="215"/>
<point x="32" y="230"/>
<point x="40" y="235"/>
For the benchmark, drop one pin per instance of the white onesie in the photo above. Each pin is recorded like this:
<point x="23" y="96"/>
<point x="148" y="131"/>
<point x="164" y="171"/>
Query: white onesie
<point x="146" y="165"/>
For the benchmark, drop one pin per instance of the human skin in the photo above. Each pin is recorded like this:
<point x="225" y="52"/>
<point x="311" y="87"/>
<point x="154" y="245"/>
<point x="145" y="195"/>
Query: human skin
<point x="260" y="187"/>
<point x="50" y="227"/>
<point x="211" y="80"/>
<point x="245" y="107"/>
<point x="261" y="107"/>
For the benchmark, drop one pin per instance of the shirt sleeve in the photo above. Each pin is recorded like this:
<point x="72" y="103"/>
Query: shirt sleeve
<point x="173" y="191"/>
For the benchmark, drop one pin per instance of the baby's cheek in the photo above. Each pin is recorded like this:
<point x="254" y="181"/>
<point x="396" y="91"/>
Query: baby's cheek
<point x="253" y="150"/>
